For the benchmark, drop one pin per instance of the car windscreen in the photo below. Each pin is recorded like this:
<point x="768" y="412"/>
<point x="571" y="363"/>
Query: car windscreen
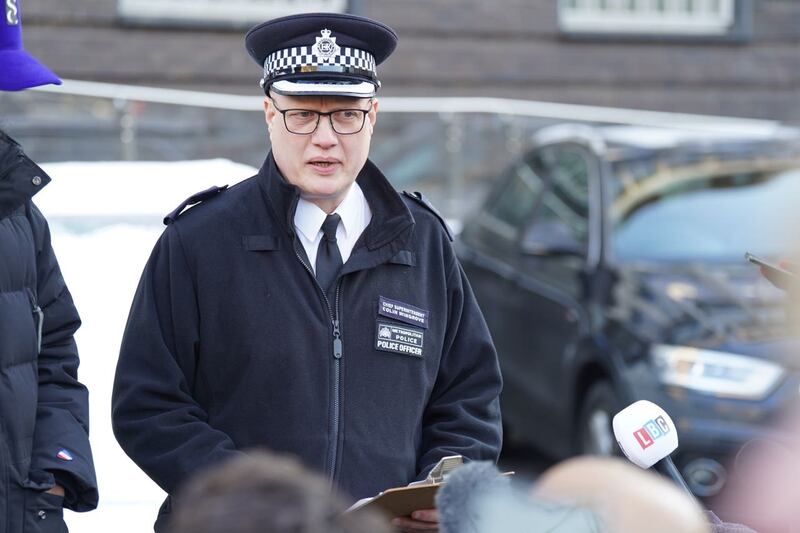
<point x="716" y="215"/>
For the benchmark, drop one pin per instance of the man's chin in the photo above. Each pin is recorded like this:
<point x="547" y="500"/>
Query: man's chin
<point x="326" y="186"/>
<point x="324" y="195"/>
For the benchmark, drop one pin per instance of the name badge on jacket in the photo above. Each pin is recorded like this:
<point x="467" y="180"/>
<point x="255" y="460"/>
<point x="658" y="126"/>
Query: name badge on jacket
<point x="399" y="338"/>
<point x="403" y="312"/>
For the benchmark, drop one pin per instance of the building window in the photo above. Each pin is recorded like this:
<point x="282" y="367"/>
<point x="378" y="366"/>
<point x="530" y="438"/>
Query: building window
<point x="654" y="18"/>
<point x="218" y="13"/>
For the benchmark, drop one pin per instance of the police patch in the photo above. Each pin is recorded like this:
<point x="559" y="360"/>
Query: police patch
<point x="403" y="312"/>
<point x="399" y="339"/>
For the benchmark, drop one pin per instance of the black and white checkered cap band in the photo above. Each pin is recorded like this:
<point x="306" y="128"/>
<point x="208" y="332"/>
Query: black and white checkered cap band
<point x="288" y="60"/>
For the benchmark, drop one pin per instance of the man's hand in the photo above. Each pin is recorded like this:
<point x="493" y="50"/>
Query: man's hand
<point x="422" y="520"/>
<point x="58" y="490"/>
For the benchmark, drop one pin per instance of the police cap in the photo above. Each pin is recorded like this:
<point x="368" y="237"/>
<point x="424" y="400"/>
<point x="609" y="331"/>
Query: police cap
<point x="321" y="54"/>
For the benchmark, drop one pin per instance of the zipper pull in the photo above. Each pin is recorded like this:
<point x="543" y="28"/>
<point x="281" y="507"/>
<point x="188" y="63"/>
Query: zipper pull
<point x="39" y="323"/>
<point x="337" y="340"/>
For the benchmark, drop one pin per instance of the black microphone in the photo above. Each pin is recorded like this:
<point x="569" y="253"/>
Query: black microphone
<point x="459" y="497"/>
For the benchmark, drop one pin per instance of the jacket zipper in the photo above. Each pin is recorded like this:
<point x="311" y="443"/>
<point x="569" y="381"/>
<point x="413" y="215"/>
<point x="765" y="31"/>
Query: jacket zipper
<point x="39" y="314"/>
<point x="338" y="353"/>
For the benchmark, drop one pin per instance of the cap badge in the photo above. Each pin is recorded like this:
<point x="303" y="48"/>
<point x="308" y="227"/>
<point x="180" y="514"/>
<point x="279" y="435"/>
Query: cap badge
<point x="12" y="12"/>
<point x="325" y="47"/>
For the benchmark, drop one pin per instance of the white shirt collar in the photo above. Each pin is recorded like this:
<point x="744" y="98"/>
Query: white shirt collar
<point x="308" y="218"/>
<point x="354" y="212"/>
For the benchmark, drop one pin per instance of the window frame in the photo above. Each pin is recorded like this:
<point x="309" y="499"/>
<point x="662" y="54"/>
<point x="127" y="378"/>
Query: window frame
<point x="215" y="14"/>
<point x="740" y="31"/>
<point x="490" y="220"/>
<point x="593" y="236"/>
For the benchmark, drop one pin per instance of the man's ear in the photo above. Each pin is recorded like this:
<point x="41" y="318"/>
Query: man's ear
<point x="269" y="112"/>
<point x="373" y="114"/>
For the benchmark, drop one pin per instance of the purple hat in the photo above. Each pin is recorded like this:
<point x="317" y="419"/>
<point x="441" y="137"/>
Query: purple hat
<point x="18" y="69"/>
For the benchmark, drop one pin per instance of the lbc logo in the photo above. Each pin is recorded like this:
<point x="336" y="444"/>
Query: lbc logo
<point x="652" y="430"/>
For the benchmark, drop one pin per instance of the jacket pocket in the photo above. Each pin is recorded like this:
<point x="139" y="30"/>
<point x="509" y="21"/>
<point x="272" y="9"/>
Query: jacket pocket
<point x="44" y="513"/>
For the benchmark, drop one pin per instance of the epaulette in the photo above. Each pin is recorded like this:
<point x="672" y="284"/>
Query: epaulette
<point x="196" y="198"/>
<point x="424" y="202"/>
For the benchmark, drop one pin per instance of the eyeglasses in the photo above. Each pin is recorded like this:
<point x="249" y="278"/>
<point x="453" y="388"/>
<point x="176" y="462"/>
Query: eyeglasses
<point x="305" y="121"/>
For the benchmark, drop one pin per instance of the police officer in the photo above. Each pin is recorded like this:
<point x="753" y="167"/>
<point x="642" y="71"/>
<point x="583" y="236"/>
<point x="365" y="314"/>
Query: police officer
<point x="45" y="458"/>
<point x="310" y="309"/>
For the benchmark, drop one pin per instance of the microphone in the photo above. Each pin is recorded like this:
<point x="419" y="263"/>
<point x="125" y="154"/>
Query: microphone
<point x="464" y="489"/>
<point x="647" y="436"/>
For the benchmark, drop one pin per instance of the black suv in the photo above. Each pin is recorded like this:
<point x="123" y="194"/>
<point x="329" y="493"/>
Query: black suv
<point x="609" y="264"/>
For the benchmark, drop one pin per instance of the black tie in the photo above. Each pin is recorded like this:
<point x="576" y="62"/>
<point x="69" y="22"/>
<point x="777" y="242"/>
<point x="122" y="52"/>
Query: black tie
<point x="329" y="260"/>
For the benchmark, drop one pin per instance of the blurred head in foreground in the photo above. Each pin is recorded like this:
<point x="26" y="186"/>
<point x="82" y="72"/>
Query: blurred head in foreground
<point x="266" y="493"/>
<point x="763" y="489"/>
<point x="581" y="495"/>
<point x="623" y="497"/>
<point x="764" y="486"/>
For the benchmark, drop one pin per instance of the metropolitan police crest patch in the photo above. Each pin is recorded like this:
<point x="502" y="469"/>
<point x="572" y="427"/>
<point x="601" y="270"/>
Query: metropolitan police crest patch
<point x="325" y="47"/>
<point x="400" y="339"/>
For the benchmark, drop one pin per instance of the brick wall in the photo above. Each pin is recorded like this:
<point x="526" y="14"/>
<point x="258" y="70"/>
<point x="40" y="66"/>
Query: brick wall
<point x="456" y="47"/>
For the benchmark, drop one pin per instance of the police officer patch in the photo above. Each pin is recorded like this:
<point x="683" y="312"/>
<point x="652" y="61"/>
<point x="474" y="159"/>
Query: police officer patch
<point x="399" y="339"/>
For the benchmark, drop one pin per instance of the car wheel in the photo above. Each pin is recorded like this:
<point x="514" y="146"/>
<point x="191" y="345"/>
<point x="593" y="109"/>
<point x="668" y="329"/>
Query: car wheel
<point x="595" y="435"/>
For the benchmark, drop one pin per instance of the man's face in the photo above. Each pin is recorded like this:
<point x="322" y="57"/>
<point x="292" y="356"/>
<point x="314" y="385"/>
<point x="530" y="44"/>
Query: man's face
<point x="322" y="164"/>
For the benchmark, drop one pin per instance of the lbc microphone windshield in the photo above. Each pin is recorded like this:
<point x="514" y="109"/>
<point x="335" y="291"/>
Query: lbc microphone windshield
<point x="645" y="433"/>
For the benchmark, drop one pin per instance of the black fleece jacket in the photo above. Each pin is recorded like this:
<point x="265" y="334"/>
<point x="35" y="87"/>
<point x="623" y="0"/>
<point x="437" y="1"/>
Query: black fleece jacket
<point x="231" y="344"/>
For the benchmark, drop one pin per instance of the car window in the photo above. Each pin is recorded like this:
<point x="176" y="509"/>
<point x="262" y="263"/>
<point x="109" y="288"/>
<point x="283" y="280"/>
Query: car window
<point x="710" y="217"/>
<point x="511" y="207"/>
<point x="561" y="220"/>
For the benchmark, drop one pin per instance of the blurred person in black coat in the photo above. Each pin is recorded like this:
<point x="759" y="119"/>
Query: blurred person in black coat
<point x="45" y="459"/>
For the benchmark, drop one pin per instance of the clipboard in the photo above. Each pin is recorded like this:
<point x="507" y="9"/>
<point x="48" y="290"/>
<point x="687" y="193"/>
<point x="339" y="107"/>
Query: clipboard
<point x="402" y="501"/>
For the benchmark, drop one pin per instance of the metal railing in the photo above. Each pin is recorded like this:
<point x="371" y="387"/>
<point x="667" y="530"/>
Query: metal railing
<point x="443" y="104"/>
<point x="448" y="147"/>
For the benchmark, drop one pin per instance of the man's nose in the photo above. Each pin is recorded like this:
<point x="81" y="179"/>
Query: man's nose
<point x="324" y="135"/>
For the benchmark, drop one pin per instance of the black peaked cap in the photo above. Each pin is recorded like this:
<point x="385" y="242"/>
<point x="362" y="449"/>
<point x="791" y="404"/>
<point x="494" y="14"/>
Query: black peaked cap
<point x="300" y="30"/>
